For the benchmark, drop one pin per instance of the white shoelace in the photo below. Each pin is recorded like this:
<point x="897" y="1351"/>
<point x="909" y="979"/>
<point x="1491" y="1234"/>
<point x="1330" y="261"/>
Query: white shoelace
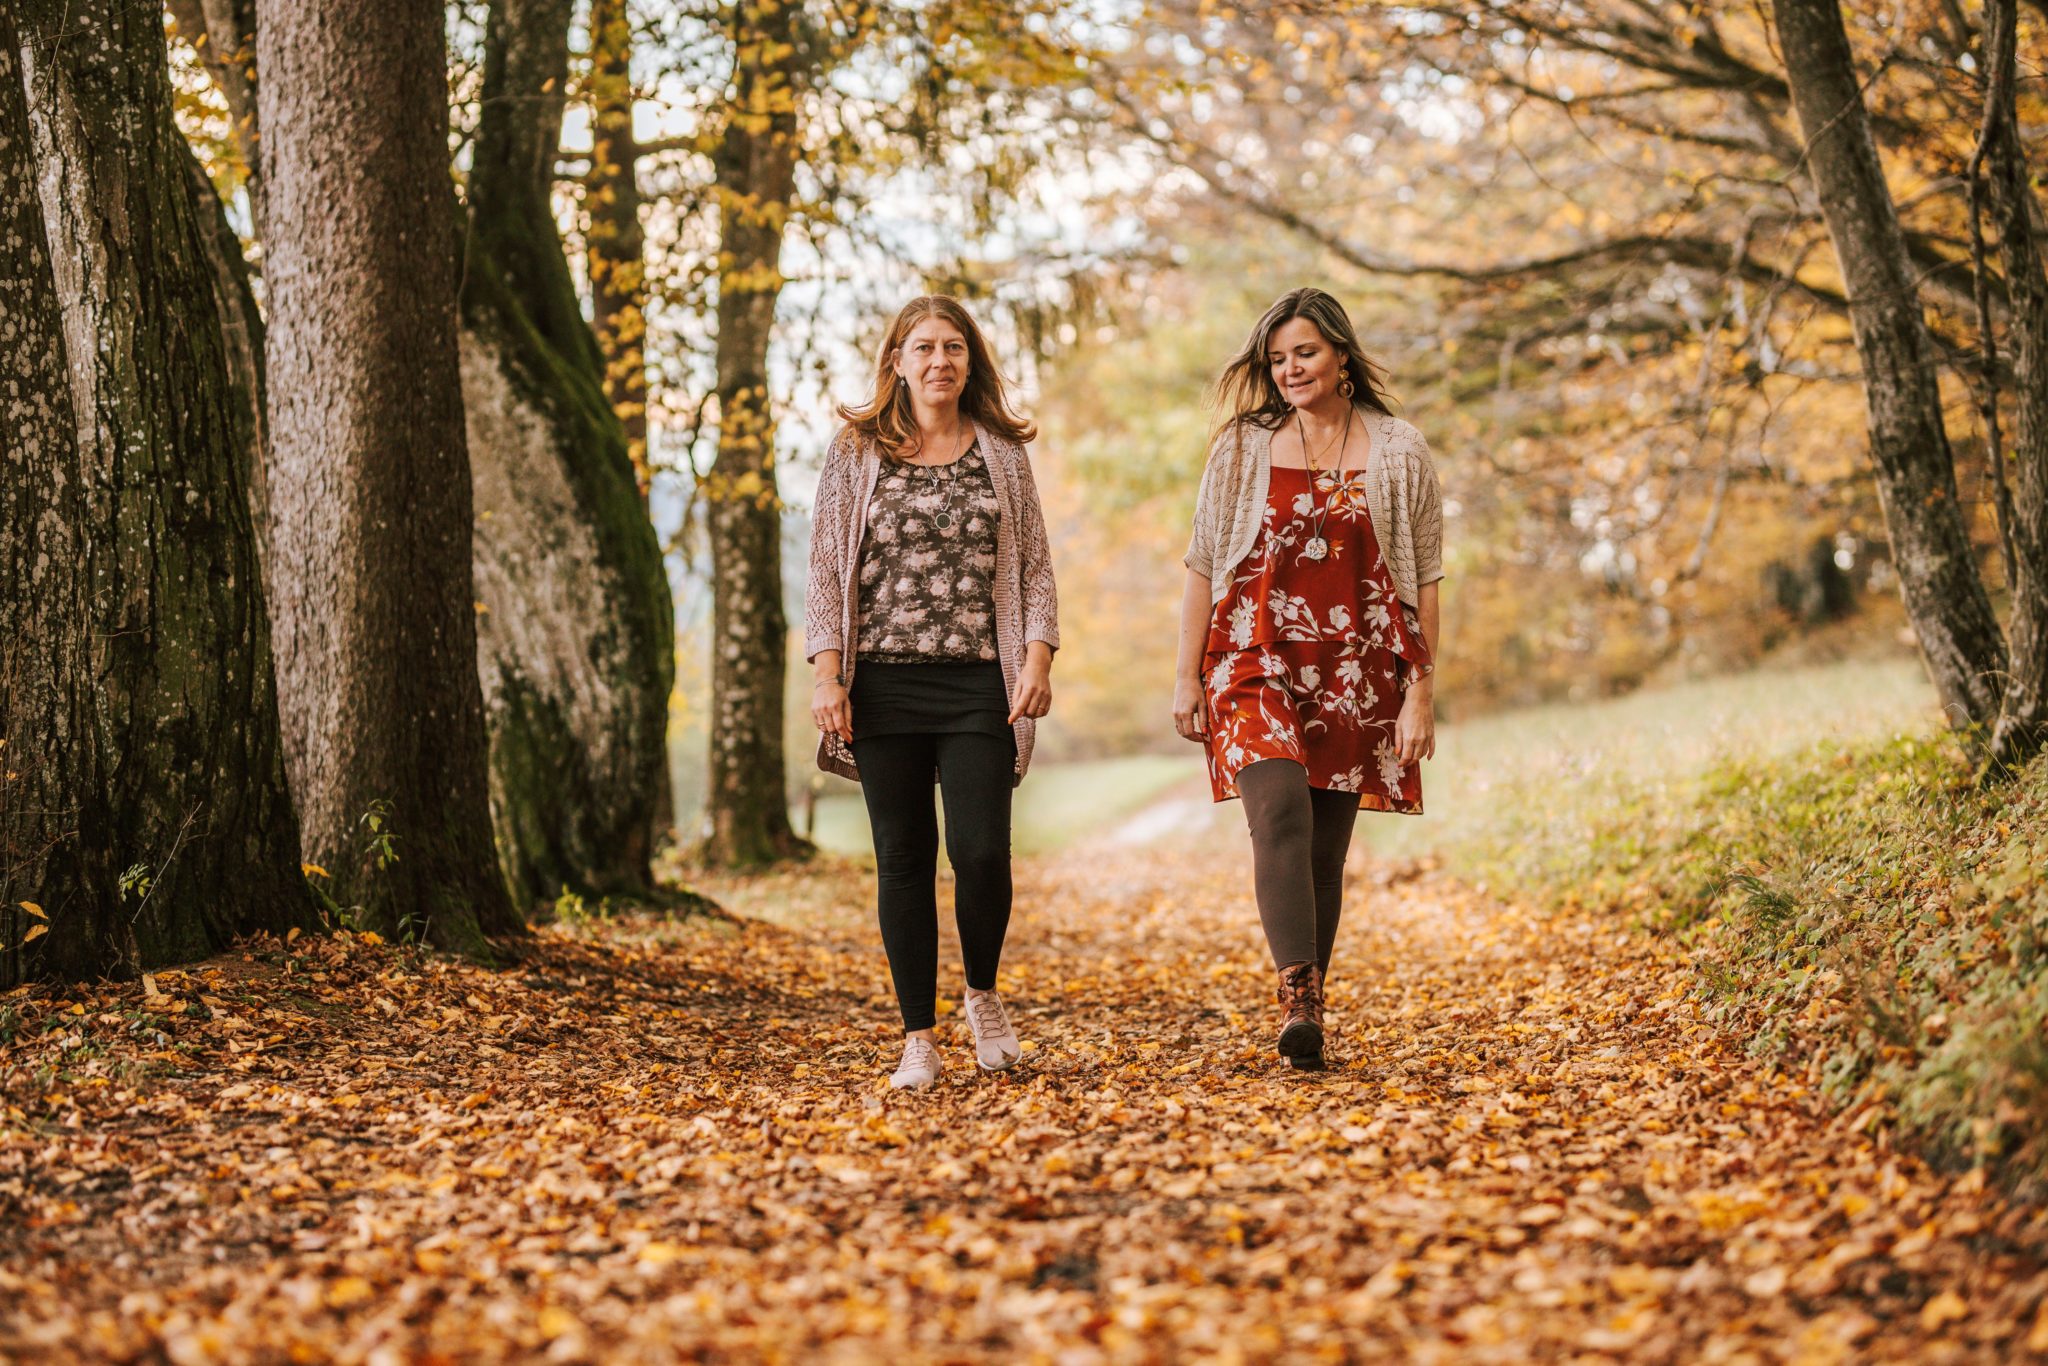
<point x="990" y="1020"/>
<point x="919" y="1053"/>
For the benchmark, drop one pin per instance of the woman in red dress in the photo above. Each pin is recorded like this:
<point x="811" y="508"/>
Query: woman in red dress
<point x="1309" y="625"/>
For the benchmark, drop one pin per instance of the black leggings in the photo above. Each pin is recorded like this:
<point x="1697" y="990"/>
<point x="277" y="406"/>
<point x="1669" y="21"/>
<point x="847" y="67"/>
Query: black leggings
<point x="1300" y="835"/>
<point x="974" y="782"/>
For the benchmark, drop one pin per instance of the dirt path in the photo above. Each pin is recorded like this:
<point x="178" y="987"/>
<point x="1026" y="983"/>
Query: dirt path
<point x="652" y="1143"/>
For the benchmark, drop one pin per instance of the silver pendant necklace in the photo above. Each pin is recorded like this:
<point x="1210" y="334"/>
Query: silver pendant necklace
<point x="1316" y="548"/>
<point x="947" y="485"/>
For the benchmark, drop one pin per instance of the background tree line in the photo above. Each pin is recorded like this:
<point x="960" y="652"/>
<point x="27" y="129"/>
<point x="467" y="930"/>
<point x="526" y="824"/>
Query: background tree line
<point x="333" y="475"/>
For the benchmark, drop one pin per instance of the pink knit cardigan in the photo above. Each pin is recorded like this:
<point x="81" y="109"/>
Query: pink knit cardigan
<point x="1026" y="600"/>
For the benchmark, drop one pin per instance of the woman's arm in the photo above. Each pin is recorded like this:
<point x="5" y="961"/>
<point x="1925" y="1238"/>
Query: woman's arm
<point x="1041" y="601"/>
<point x="1415" y="729"/>
<point x="1190" y="716"/>
<point x="1034" y="567"/>
<point x="825" y="598"/>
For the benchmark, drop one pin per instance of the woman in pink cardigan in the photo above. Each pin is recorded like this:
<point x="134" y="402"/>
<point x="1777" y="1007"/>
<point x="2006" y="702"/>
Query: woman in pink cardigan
<point x="930" y="571"/>
<point x="1309" y="626"/>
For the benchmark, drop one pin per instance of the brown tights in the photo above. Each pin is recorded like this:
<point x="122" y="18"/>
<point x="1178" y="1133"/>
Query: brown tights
<point x="1300" y="835"/>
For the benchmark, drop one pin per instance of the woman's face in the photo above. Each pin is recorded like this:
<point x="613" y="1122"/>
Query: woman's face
<point x="933" y="362"/>
<point x="1303" y="363"/>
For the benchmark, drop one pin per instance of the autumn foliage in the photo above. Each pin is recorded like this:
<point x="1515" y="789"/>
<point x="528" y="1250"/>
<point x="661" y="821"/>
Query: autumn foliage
<point x="656" y="1140"/>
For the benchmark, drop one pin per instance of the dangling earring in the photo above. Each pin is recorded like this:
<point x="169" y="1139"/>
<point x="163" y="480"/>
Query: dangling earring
<point x="1344" y="385"/>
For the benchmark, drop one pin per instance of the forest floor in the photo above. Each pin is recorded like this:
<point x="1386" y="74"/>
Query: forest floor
<point x="651" y="1140"/>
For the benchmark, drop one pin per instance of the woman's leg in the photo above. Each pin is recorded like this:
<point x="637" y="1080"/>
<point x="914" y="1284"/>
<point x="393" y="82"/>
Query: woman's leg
<point x="1282" y="818"/>
<point x="1278" y="810"/>
<point x="974" y="782"/>
<point x="1335" y="814"/>
<point x="896" y="781"/>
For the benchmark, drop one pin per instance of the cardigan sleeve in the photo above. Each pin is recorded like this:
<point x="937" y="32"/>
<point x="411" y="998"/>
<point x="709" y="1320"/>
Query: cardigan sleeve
<point x="1034" y="561"/>
<point x="825" y="589"/>
<point x="1426" y="513"/>
<point x="1202" y="548"/>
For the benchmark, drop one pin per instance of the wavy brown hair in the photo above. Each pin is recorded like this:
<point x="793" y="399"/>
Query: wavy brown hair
<point x="1245" y="391"/>
<point x="887" y="416"/>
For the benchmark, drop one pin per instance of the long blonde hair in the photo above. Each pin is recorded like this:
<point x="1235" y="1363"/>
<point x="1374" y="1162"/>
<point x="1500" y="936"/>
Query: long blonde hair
<point x="1245" y="391"/>
<point x="887" y="416"/>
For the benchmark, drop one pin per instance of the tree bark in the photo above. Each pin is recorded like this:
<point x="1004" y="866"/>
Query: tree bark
<point x="576" y="643"/>
<point x="143" y="803"/>
<point x="617" y="260"/>
<point x="748" y="806"/>
<point x="1938" y="574"/>
<point x="617" y="256"/>
<point x="369" y="477"/>
<point x="2022" y="726"/>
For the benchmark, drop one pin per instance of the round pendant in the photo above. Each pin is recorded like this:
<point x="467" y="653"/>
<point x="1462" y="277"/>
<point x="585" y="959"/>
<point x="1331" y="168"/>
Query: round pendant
<point x="944" y="521"/>
<point x="1316" y="548"/>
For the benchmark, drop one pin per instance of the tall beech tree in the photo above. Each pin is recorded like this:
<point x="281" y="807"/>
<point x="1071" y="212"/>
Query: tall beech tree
<point x="577" y="632"/>
<point x="2022" y="726"/>
<point x="1938" y="575"/>
<point x="373" y="590"/>
<point x="143" y="804"/>
<point x="616" y="243"/>
<point x="747" y="807"/>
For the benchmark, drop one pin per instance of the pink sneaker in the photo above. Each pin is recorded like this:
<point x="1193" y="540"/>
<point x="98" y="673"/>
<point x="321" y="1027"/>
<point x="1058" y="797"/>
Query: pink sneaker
<point x="995" y="1040"/>
<point x="920" y="1065"/>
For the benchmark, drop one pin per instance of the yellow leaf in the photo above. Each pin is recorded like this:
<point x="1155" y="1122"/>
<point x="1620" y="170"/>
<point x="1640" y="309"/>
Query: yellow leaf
<point x="347" y="1291"/>
<point x="313" y="870"/>
<point x="292" y="934"/>
<point x="659" y="1254"/>
<point x="1944" y="1308"/>
<point x="35" y="932"/>
<point x="555" y="1322"/>
<point x="34" y="910"/>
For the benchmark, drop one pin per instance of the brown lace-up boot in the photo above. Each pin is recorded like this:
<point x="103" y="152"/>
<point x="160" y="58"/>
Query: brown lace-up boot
<point x="1301" y="1021"/>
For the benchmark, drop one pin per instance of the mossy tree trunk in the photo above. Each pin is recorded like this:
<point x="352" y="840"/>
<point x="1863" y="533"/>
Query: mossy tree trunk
<point x="1939" y="579"/>
<point x="373" y="586"/>
<point x="616" y="258"/>
<point x="747" y="806"/>
<point x="143" y="804"/>
<point x="2022" y="726"/>
<point x="617" y="244"/>
<point x="576" y="644"/>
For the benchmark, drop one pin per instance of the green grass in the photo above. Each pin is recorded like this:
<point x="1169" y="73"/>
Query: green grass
<point x="1057" y="804"/>
<point x="1511" y="792"/>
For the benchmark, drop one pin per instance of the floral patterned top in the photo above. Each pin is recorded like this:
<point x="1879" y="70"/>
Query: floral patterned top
<point x="928" y="563"/>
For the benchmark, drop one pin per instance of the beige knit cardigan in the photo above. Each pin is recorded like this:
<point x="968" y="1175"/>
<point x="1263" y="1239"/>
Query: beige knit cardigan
<point x="1401" y="493"/>
<point x="1026" y="599"/>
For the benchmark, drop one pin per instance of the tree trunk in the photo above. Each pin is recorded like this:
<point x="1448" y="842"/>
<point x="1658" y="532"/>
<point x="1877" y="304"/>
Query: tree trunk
<point x="617" y="261"/>
<point x="617" y="257"/>
<point x="1938" y="575"/>
<point x="748" y="806"/>
<point x="576" y="642"/>
<point x="143" y="803"/>
<point x="224" y="32"/>
<point x="369" y="473"/>
<point x="2023" y="721"/>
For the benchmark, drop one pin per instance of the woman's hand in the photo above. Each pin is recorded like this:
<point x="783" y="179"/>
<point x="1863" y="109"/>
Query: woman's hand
<point x="832" y="709"/>
<point x="1034" y="684"/>
<point x="1415" y="730"/>
<point x="1190" y="712"/>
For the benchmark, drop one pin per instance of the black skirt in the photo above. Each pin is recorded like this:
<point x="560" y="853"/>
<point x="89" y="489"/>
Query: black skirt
<point x="939" y="698"/>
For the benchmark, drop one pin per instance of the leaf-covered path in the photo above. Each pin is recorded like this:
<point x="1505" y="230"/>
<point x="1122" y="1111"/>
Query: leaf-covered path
<point x="653" y="1141"/>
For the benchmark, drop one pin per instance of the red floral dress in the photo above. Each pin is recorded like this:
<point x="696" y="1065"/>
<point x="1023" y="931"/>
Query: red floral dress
<point x="1307" y="658"/>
